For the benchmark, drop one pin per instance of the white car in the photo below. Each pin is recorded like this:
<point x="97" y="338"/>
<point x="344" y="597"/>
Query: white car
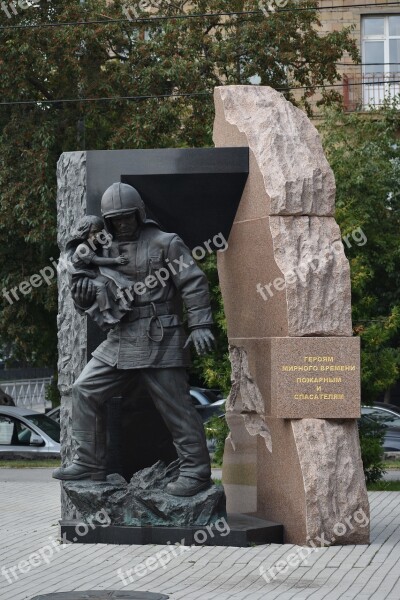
<point x="389" y="420"/>
<point x="25" y="433"/>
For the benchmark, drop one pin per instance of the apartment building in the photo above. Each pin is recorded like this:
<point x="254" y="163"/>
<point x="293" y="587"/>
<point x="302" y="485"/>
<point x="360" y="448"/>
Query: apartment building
<point x="377" y="33"/>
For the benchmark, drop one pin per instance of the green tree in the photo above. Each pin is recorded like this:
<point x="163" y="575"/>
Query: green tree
<point x="371" y="443"/>
<point x="214" y="370"/>
<point x="52" y="65"/>
<point x="364" y="152"/>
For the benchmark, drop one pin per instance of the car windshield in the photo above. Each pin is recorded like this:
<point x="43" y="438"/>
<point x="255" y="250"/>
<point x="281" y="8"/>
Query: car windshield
<point x="211" y="396"/>
<point x="50" y="427"/>
<point x="383" y="416"/>
<point x="198" y="399"/>
<point x="203" y="397"/>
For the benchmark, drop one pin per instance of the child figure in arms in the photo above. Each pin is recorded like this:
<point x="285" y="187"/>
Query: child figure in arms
<point x="92" y="237"/>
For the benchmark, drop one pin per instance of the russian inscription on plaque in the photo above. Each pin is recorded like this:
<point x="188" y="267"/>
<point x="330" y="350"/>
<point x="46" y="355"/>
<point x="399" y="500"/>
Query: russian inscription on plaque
<point x="315" y="377"/>
<point x="317" y="381"/>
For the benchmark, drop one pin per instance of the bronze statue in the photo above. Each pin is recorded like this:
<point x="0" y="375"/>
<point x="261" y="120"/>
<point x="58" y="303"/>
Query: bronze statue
<point x="157" y="278"/>
<point x="85" y="258"/>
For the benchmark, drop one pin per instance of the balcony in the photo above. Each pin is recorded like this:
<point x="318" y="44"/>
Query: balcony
<point x="362" y="92"/>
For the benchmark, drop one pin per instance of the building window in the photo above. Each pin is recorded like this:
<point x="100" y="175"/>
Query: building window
<point x="381" y="58"/>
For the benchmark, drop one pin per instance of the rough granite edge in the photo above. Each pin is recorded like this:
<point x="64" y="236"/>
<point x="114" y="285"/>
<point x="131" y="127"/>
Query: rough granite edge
<point x="252" y="402"/>
<point x="297" y="176"/>
<point x="334" y="483"/>
<point x="71" y="206"/>
<point x="300" y="184"/>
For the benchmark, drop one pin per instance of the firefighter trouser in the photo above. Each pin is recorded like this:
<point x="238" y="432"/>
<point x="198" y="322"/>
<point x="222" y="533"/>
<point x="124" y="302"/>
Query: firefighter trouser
<point x="169" y="391"/>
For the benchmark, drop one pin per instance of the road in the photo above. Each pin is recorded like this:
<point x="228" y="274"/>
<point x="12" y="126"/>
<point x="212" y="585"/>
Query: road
<point x="392" y="475"/>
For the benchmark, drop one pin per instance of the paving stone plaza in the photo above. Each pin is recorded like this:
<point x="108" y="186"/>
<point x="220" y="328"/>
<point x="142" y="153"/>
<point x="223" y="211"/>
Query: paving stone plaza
<point x="29" y="526"/>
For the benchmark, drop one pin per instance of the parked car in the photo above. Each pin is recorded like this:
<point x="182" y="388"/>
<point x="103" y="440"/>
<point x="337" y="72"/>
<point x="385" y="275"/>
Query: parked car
<point x="390" y="420"/>
<point x="391" y="407"/>
<point x="55" y="414"/>
<point x="207" y="402"/>
<point x="383" y="415"/>
<point x="25" y="433"/>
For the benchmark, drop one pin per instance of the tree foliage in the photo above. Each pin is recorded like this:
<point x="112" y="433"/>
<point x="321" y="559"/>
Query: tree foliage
<point x="364" y="152"/>
<point x="214" y="369"/>
<point x="217" y="430"/>
<point x="371" y="443"/>
<point x="52" y="65"/>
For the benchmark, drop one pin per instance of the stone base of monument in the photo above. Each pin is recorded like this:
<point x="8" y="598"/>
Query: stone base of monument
<point x="144" y="501"/>
<point x="236" y="530"/>
<point x="142" y="512"/>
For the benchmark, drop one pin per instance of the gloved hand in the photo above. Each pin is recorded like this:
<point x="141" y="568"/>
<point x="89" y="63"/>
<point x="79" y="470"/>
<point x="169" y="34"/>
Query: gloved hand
<point x="83" y="293"/>
<point x="203" y="340"/>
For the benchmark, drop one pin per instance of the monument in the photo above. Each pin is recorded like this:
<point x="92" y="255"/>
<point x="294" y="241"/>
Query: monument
<point x="293" y="455"/>
<point x="157" y="486"/>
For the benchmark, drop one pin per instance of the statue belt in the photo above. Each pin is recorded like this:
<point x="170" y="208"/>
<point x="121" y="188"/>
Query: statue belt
<point x="154" y="312"/>
<point x="151" y="310"/>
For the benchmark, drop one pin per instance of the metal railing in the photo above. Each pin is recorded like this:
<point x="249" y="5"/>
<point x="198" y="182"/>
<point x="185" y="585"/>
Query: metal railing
<point x="28" y="393"/>
<point x="361" y="92"/>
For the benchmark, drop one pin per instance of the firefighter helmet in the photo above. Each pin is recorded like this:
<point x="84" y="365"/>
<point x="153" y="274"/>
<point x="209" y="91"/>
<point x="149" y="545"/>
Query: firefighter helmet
<point x="121" y="199"/>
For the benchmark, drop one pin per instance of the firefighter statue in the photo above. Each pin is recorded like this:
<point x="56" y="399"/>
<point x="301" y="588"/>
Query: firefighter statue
<point x="145" y="340"/>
